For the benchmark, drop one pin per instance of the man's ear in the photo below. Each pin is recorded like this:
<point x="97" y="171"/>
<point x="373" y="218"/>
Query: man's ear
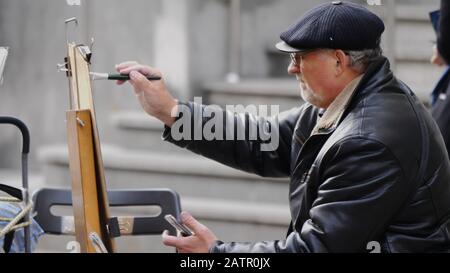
<point x="342" y="61"/>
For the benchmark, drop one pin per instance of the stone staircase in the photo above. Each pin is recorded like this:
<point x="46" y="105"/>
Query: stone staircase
<point x="271" y="91"/>
<point x="237" y="206"/>
<point x="188" y="174"/>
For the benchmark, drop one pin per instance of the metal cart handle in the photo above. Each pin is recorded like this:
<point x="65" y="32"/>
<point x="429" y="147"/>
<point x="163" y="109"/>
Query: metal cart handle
<point x="25" y="151"/>
<point x="23" y="129"/>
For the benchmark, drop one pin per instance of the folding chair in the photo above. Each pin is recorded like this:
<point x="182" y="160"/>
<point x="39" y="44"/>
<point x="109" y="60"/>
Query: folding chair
<point x="168" y="200"/>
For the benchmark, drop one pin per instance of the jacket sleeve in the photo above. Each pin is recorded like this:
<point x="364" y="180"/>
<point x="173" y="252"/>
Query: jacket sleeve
<point x="444" y="31"/>
<point x="242" y="141"/>
<point x="361" y="187"/>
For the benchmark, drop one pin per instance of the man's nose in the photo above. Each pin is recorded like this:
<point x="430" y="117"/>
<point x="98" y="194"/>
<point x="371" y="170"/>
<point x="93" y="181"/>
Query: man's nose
<point x="293" y="69"/>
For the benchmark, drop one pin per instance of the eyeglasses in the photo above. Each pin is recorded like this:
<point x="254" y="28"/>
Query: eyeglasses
<point x="297" y="56"/>
<point x="294" y="60"/>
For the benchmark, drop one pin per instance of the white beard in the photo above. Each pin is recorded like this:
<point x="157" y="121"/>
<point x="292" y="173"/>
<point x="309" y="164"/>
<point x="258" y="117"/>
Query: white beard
<point x="306" y="93"/>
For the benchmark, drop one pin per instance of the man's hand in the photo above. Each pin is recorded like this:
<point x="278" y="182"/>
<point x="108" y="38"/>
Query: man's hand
<point x="153" y="96"/>
<point x="200" y="242"/>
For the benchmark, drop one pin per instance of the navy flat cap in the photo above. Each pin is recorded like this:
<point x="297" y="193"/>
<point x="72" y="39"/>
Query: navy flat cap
<point x="434" y="18"/>
<point x="334" y="25"/>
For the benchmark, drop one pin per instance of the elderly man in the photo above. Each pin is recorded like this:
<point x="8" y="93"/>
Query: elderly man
<point x="367" y="163"/>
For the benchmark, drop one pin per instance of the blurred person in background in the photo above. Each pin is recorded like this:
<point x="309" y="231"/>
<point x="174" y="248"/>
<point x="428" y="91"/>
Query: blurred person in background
<point x="440" y="97"/>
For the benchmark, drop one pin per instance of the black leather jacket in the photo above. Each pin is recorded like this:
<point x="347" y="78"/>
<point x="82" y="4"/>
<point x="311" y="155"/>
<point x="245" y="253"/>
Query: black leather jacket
<point x="381" y="174"/>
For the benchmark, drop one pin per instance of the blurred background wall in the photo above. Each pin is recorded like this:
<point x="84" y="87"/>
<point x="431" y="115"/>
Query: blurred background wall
<point x="221" y="50"/>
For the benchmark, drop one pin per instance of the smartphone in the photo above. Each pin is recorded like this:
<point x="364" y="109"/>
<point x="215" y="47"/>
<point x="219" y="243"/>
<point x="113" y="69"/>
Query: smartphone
<point x="184" y="230"/>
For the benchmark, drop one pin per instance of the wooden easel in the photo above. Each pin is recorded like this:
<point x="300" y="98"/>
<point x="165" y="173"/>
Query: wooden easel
<point x="89" y="195"/>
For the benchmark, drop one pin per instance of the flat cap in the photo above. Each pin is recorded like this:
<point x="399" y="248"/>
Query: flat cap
<point x="336" y="25"/>
<point x="434" y="18"/>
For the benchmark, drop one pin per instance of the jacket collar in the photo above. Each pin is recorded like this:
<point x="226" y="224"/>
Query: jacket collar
<point x="333" y="114"/>
<point x="375" y="77"/>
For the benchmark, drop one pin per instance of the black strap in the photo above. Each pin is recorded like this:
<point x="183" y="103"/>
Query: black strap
<point x="113" y="227"/>
<point x="9" y="237"/>
<point x="14" y="192"/>
<point x="7" y="242"/>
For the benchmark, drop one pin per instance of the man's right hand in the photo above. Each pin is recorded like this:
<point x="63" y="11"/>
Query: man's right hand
<point x="153" y="96"/>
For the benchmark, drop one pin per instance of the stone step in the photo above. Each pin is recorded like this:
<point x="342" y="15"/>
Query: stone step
<point x="414" y="33"/>
<point x="134" y="129"/>
<point x="237" y="206"/>
<point x="189" y="175"/>
<point x="420" y="77"/>
<point x="259" y="92"/>
<point x="414" y="41"/>
<point x="138" y="130"/>
<point x="229" y="220"/>
<point x="415" y="12"/>
<point x="13" y="178"/>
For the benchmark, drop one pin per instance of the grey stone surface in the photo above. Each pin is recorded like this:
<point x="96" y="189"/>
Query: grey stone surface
<point x="421" y="77"/>
<point x="189" y="175"/>
<point x="284" y="93"/>
<point x="407" y="10"/>
<point x="413" y="41"/>
<point x="139" y="131"/>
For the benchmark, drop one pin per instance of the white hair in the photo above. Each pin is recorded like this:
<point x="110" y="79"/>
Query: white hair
<point x="360" y="60"/>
